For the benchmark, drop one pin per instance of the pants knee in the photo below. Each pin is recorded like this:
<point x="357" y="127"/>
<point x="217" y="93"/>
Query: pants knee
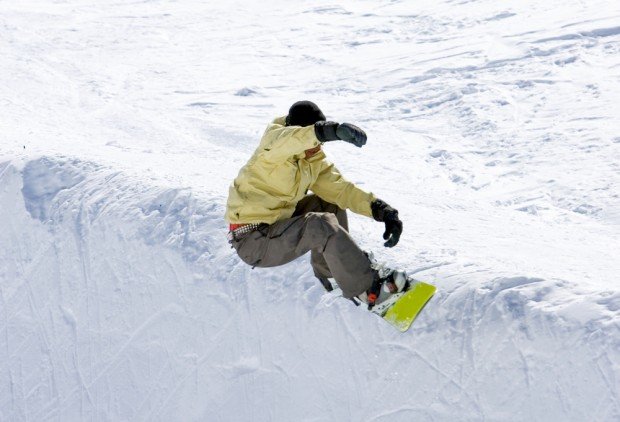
<point x="323" y="222"/>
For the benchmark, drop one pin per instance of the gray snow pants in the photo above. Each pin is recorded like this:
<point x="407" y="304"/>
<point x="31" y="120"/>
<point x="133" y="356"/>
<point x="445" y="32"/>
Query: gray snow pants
<point x="316" y="226"/>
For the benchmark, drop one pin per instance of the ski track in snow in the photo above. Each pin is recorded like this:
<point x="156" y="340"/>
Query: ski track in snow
<point x="493" y="128"/>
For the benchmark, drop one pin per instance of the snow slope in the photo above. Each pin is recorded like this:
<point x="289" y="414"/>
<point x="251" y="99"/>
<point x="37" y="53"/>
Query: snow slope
<point x="492" y="128"/>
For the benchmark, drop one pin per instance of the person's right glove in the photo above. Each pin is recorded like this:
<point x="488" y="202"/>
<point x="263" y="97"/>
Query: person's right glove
<point x="393" y="226"/>
<point x="332" y="131"/>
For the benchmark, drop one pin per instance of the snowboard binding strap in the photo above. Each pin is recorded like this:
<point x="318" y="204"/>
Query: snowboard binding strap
<point x="373" y="292"/>
<point x="375" y="288"/>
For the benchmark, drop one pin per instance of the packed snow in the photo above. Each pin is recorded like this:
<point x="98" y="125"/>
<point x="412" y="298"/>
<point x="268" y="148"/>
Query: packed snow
<point x="493" y="128"/>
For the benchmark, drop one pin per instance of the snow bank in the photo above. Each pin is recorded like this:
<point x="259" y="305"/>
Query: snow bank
<point x="122" y="301"/>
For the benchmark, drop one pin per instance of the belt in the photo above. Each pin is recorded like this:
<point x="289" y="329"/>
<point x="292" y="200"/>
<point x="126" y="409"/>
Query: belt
<point x="236" y="230"/>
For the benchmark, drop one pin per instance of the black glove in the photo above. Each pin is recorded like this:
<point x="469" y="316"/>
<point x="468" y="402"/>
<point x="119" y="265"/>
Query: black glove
<point x="332" y="131"/>
<point x="393" y="226"/>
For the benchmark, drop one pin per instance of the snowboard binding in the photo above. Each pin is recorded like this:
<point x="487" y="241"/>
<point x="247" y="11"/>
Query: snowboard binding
<point x="386" y="285"/>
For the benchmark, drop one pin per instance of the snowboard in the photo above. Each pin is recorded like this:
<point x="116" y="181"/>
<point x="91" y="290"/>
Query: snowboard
<point x="402" y="309"/>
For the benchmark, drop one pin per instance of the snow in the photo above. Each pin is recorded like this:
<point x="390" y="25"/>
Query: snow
<point x="493" y="128"/>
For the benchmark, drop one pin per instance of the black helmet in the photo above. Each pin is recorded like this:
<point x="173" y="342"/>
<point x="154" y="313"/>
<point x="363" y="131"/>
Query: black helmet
<point x="304" y="113"/>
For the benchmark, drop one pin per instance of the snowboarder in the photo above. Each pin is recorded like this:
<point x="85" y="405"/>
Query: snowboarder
<point x="273" y="220"/>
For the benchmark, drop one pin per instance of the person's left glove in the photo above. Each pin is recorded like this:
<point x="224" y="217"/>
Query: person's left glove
<point x="382" y="212"/>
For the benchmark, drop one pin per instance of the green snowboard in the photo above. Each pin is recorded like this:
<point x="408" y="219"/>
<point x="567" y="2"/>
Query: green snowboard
<point x="405" y="307"/>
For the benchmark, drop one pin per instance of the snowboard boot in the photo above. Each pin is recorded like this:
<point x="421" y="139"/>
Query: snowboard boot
<point x="387" y="282"/>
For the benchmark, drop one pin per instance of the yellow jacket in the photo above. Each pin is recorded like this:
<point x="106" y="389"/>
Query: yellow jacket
<point x="278" y="175"/>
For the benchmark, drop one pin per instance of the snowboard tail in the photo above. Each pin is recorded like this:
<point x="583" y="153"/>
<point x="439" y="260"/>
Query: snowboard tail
<point x="407" y="307"/>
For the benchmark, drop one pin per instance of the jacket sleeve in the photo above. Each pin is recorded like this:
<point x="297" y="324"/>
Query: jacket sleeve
<point x="333" y="188"/>
<point x="281" y="142"/>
